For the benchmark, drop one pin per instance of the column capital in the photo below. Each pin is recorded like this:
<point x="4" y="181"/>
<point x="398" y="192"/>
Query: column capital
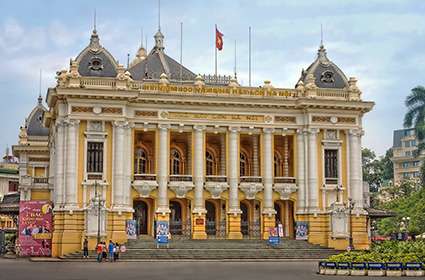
<point x="164" y="126"/>
<point x="199" y="127"/>
<point x="120" y="124"/>
<point x="234" y="129"/>
<point x="70" y="122"/>
<point x="313" y="131"/>
<point x="268" y="130"/>
<point x="356" y="132"/>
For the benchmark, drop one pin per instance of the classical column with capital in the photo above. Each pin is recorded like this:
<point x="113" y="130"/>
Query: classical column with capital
<point x="59" y="169"/>
<point x="301" y="172"/>
<point x="234" y="212"/>
<point x="198" y="229"/>
<point x="162" y="209"/>
<point x="118" y="165"/>
<point x="356" y="176"/>
<point x="71" y="164"/>
<point x="268" y="207"/>
<point x="313" y="188"/>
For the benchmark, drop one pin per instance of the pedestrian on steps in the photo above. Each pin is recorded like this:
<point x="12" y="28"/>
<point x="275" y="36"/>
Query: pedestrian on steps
<point x="85" y="248"/>
<point x="99" y="251"/>
<point x="104" y="251"/>
<point x="111" y="247"/>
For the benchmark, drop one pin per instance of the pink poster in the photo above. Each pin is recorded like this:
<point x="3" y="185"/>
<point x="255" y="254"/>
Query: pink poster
<point x="35" y="228"/>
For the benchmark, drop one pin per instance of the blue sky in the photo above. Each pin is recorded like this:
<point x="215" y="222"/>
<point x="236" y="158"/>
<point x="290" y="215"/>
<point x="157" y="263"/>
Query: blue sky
<point x="381" y="42"/>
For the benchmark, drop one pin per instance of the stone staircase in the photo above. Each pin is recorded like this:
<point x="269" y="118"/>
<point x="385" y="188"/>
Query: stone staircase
<point x="216" y="249"/>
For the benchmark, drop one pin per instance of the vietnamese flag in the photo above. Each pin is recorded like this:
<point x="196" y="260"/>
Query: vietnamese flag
<point x="218" y="39"/>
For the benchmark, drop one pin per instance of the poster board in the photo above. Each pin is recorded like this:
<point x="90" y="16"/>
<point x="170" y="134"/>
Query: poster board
<point x="301" y="230"/>
<point x="35" y="228"/>
<point x="131" y="229"/>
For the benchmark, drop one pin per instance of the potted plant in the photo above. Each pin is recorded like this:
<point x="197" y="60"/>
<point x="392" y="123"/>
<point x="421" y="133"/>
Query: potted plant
<point x="414" y="269"/>
<point x="376" y="269"/>
<point x="343" y="268"/>
<point x="358" y="269"/>
<point x="394" y="269"/>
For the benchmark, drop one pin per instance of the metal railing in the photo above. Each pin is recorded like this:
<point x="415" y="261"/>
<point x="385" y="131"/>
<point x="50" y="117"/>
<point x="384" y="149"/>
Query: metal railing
<point x="331" y="181"/>
<point x="285" y="180"/>
<point x="216" y="178"/>
<point x="180" y="178"/>
<point x="144" y="177"/>
<point x="40" y="180"/>
<point x="251" y="179"/>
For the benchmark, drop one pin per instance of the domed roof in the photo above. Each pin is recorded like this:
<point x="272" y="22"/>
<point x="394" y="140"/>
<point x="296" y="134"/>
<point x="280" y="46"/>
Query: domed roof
<point x="326" y="73"/>
<point x="34" y="122"/>
<point x="157" y="63"/>
<point x="95" y="60"/>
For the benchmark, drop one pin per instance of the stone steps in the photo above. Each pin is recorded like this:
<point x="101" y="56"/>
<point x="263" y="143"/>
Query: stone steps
<point x="145" y="249"/>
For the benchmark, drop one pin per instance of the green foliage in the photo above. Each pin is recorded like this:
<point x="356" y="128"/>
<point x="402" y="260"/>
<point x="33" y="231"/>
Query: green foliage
<point x="415" y="116"/>
<point x="406" y="200"/>
<point x="376" y="170"/>
<point x="387" y="251"/>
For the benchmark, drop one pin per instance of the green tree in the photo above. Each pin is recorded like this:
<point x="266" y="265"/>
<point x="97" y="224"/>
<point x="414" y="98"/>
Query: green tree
<point x="372" y="169"/>
<point x="415" y="116"/>
<point x="388" y="166"/>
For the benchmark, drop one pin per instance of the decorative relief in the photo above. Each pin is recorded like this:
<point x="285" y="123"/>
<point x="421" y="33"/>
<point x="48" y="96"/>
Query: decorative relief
<point x="285" y="119"/>
<point x="220" y="117"/>
<point x="81" y="109"/>
<point x="144" y="188"/>
<point x="331" y="134"/>
<point x="285" y="190"/>
<point x="146" y="114"/>
<point x="95" y="126"/>
<point x="181" y="188"/>
<point x="112" y="110"/>
<point x="347" y="120"/>
<point x="216" y="189"/>
<point x="251" y="189"/>
<point x="321" y="119"/>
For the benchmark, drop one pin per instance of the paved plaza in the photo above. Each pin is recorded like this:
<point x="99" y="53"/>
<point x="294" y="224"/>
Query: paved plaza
<point x="24" y="269"/>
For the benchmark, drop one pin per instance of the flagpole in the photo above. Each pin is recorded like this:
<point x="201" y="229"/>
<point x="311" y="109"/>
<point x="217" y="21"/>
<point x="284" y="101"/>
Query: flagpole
<point x="249" y="70"/>
<point x="181" y="52"/>
<point x="215" y="48"/>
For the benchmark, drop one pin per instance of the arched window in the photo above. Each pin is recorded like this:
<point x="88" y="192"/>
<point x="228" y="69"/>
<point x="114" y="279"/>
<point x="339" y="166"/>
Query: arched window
<point x="278" y="165"/>
<point x="176" y="162"/>
<point x="243" y="165"/>
<point x="141" y="161"/>
<point x="211" y="164"/>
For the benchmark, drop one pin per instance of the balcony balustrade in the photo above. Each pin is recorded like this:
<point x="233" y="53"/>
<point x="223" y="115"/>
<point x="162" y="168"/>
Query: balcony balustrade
<point x="285" y="180"/>
<point x="144" y="177"/>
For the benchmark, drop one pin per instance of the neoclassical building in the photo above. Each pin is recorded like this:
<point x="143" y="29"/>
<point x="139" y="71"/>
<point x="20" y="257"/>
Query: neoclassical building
<point x="155" y="141"/>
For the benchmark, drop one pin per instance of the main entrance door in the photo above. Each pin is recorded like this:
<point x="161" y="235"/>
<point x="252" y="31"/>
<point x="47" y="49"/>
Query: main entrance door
<point x="211" y="226"/>
<point x="176" y="224"/>
<point x="141" y="216"/>
<point x="244" y="219"/>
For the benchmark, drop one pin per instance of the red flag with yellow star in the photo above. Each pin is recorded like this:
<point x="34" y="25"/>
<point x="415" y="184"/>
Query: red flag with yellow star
<point x="218" y="39"/>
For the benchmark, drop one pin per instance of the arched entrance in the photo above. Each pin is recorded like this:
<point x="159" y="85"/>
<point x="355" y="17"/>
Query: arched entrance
<point x="211" y="223"/>
<point x="285" y="216"/>
<point x="278" y="209"/>
<point x="176" y="223"/>
<point x="244" y="219"/>
<point x="141" y="213"/>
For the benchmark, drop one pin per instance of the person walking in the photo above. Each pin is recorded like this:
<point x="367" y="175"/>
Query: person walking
<point x="85" y="248"/>
<point x="111" y="247"/>
<point x="104" y="251"/>
<point x="99" y="251"/>
<point x="116" y="251"/>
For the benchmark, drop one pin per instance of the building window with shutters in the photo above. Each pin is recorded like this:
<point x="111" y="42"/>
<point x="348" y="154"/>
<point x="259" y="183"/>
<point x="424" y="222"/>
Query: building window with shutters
<point x="95" y="157"/>
<point x="331" y="165"/>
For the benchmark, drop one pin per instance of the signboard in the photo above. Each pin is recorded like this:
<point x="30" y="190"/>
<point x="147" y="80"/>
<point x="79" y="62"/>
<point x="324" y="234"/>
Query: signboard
<point x="280" y="230"/>
<point x="35" y="228"/>
<point x="301" y="230"/>
<point x="199" y="221"/>
<point x="162" y="230"/>
<point x="274" y="238"/>
<point x="131" y="229"/>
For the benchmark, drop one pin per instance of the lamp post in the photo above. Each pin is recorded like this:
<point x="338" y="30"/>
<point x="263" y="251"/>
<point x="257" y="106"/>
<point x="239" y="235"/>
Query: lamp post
<point x="350" y="206"/>
<point x="404" y="225"/>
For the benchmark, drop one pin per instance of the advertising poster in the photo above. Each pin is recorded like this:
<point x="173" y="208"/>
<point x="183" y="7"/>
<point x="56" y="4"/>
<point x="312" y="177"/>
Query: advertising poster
<point x="301" y="230"/>
<point x="35" y="228"/>
<point x="162" y="231"/>
<point x="280" y="230"/>
<point x="131" y="229"/>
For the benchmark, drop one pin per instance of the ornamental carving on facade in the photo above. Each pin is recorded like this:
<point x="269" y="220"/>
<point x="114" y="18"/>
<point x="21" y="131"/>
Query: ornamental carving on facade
<point x="251" y="189"/>
<point x="151" y="114"/>
<point x="349" y="120"/>
<point x="144" y="188"/>
<point x="181" y="188"/>
<point x="285" y="190"/>
<point x="321" y="119"/>
<point x="285" y="119"/>
<point x="216" y="189"/>
<point x="81" y="109"/>
<point x="111" y="110"/>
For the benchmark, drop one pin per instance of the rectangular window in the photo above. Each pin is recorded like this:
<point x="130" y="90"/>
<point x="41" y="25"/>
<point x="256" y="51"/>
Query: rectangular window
<point x="13" y="186"/>
<point x="331" y="163"/>
<point x="94" y="157"/>
<point x="405" y="165"/>
<point x="408" y="153"/>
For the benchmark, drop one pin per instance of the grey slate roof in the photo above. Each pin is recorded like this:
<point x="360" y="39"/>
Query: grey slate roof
<point x="326" y="73"/>
<point x="398" y="135"/>
<point x="34" y="122"/>
<point x="106" y="65"/>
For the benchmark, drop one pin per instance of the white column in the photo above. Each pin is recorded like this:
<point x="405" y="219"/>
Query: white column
<point x="59" y="170"/>
<point x="356" y="180"/>
<point x="285" y="156"/>
<point x="128" y="165"/>
<point x="312" y="170"/>
<point x="268" y="171"/>
<point x="163" y="169"/>
<point x="255" y="163"/>
<point x="301" y="200"/>
<point x="233" y="170"/>
<point x="198" y="174"/>
<point x="118" y="163"/>
<point x="222" y="154"/>
<point x="71" y="166"/>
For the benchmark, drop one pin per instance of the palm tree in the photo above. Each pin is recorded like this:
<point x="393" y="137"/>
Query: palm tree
<point x="415" y="116"/>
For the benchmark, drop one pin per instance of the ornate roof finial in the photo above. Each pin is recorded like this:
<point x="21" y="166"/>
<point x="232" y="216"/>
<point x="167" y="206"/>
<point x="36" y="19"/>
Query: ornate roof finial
<point x="39" y="99"/>
<point x="159" y="37"/>
<point x="321" y="34"/>
<point x="94" y="39"/>
<point x="94" y="22"/>
<point x="159" y="15"/>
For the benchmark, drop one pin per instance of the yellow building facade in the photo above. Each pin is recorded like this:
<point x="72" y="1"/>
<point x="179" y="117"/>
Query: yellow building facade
<point x="154" y="142"/>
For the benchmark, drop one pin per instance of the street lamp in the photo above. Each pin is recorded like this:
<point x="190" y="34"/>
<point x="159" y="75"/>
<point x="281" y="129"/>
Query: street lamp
<point x="98" y="201"/>
<point x="404" y="225"/>
<point x="350" y="206"/>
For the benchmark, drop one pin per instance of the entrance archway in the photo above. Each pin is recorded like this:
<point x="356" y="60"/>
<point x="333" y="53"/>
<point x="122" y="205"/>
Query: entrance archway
<point x="176" y="223"/>
<point x="244" y="219"/>
<point x="141" y="213"/>
<point x="211" y="222"/>
<point x="285" y="216"/>
<point x="278" y="210"/>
